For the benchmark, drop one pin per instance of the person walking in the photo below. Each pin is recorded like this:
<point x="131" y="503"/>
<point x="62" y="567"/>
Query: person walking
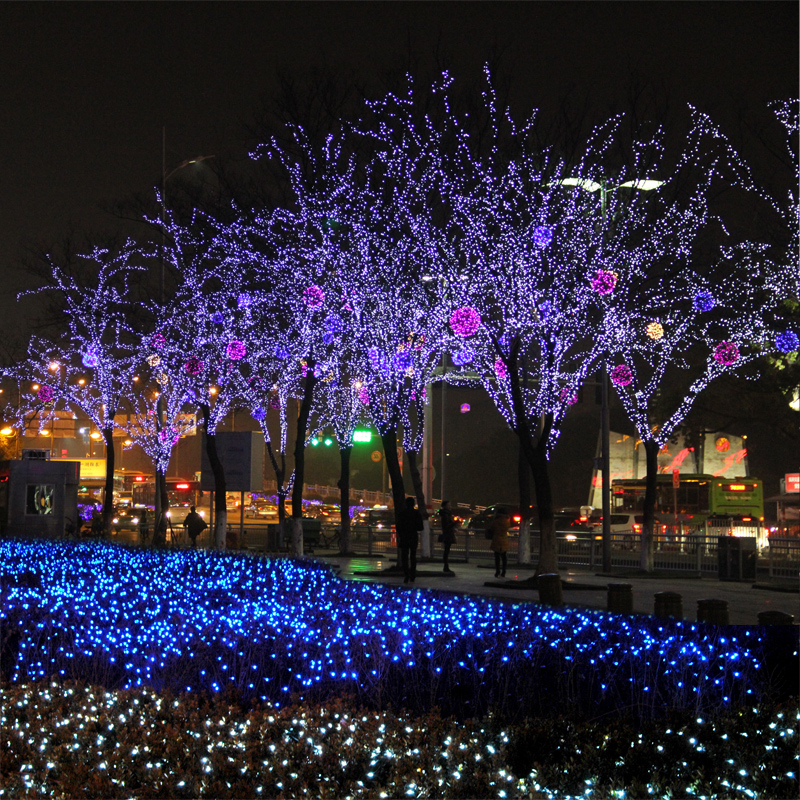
<point x="194" y="525"/>
<point x="448" y="534"/>
<point x="409" y="524"/>
<point x="144" y="527"/>
<point x="499" y="527"/>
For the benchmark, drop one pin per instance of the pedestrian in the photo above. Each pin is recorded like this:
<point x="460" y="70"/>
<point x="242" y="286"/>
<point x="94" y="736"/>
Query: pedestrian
<point x="448" y="535"/>
<point x="499" y="528"/>
<point x="194" y="525"/>
<point x="409" y="524"/>
<point x="144" y="527"/>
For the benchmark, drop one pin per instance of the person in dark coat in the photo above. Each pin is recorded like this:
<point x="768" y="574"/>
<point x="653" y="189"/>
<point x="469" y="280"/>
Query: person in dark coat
<point x="194" y="525"/>
<point x="144" y="527"/>
<point x="499" y="527"/>
<point x="409" y="524"/>
<point x="448" y="535"/>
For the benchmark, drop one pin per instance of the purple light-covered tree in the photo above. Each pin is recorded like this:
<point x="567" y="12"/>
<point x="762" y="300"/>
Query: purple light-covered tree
<point x="89" y="367"/>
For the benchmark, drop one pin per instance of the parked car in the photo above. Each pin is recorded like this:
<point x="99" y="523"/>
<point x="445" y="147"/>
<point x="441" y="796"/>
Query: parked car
<point x="261" y="509"/>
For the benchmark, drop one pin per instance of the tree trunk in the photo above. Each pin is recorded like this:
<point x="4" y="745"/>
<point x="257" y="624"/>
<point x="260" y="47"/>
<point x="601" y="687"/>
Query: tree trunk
<point x="419" y="491"/>
<point x="389" y="441"/>
<point x="548" y="553"/>
<point x="524" y="476"/>
<point x="108" y="495"/>
<point x="299" y="460"/>
<point x="220" y="487"/>
<point x="649" y="511"/>
<point x="344" y="499"/>
<point x="280" y="475"/>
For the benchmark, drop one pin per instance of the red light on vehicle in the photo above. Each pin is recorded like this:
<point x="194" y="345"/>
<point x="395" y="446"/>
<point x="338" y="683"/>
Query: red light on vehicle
<point x="181" y="485"/>
<point x="138" y="479"/>
<point x="736" y="487"/>
<point x="517" y="518"/>
<point x="637" y="528"/>
<point x="747" y="519"/>
<point x="583" y="519"/>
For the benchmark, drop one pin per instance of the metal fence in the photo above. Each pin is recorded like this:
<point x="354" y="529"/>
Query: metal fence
<point x="695" y="553"/>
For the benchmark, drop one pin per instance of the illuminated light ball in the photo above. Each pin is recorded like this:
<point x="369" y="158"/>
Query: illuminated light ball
<point x="90" y="357"/>
<point x="46" y="394"/>
<point x="236" y="350"/>
<point x="193" y="366"/>
<point x="190" y="396"/>
<point x="787" y="342"/>
<point x="465" y="408"/>
<point x="566" y="394"/>
<point x="546" y="310"/>
<point x="500" y="368"/>
<point x="655" y="330"/>
<point x="281" y="352"/>
<point x="542" y="236"/>
<point x="154" y="360"/>
<point x="704" y="301"/>
<point x="218" y="318"/>
<point x="334" y="324"/>
<point x="162" y="378"/>
<point x="244" y="300"/>
<point x="327" y="338"/>
<point x="259" y="413"/>
<point x="273" y="403"/>
<point x="403" y="361"/>
<point x="604" y="281"/>
<point x="621" y="375"/>
<point x="313" y="296"/>
<point x="465" y="321"/>
<point x="376" y="359"/>
<point x="363" y="396"/>
<point x="722" y="445"/>
<point x="158" y="340"/>
<point x="463" y="357"/>
<point x="726" y="353"/>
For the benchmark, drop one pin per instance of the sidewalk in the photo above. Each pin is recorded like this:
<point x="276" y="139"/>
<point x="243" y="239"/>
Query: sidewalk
<point x="582" y="588"/>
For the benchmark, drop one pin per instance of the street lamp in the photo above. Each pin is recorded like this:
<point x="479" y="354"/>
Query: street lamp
<point x="642" y="185"/>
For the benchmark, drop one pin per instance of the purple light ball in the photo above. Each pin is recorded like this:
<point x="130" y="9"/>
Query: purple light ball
<point x="244" y="300"/>
<point x="704" y="301"/>
<point x="313" y="296"/>
<point x="281" y="352"/>
<point x="236" y="350"/>
<point x="464" y="356"/>
<point x="90" y="358"/>
<point x="542" y="236"/>
<point x="787" y="342"/>
<point x="158" y="340"/>
<point x="604" y="282"/>
<point x="465" y="321"/>
<point x="726" y="353"/>
<point x="46" y="394"/>
<point x="621" y="375"/>
<point x="403" y="361"/>
<point x="193" y="366"/>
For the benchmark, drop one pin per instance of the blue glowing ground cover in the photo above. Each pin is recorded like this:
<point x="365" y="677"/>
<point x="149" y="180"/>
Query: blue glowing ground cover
<point x="273" y="628"/>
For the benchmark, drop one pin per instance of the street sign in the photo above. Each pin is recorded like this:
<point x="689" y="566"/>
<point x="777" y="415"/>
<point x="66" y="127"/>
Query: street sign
<point x="376" y="456"/>
<point x="676" y="478"/>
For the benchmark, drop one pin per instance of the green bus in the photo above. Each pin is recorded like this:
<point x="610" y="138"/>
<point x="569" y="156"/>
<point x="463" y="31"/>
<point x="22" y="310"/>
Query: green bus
<point x="696" y="499"/>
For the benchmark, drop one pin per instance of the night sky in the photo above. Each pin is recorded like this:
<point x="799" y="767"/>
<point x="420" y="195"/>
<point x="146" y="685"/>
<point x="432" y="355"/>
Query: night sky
<point x="87" y="87"/>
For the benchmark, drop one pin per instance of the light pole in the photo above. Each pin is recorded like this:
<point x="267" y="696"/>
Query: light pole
<point x="643" y="185"/>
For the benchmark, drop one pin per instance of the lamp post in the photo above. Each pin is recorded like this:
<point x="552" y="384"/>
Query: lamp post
<point x="642" y="185"/>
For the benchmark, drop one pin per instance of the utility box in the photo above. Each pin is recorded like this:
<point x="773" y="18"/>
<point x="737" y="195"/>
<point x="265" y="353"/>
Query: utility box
<point x="736" y="558"/>
<point x="38" y="497"/>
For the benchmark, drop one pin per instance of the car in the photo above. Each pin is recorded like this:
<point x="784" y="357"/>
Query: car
<point x="127" y="518"/>
<point x="620" y="523"/>
<point x="375" y="518"/>
<point x="261" y="509"/>
<point x="481" y="520"/>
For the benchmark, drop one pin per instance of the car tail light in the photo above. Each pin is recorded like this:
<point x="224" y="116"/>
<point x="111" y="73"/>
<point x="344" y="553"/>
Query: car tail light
<point x="637" y="528"/>
<point x="517" y="518"/>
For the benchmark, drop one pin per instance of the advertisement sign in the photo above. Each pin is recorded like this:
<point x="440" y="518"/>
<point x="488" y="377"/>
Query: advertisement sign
<point x="792" y="482"/>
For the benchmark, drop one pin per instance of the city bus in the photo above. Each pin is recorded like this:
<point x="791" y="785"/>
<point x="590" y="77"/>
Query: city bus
<point x="696" y="500"/>
<point x="181" y="492"/>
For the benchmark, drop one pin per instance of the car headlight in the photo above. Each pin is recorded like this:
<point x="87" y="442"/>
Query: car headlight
<point x="115" y="520"/>
<point x="135" y="520"/>
<point x="570" y="537"/>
